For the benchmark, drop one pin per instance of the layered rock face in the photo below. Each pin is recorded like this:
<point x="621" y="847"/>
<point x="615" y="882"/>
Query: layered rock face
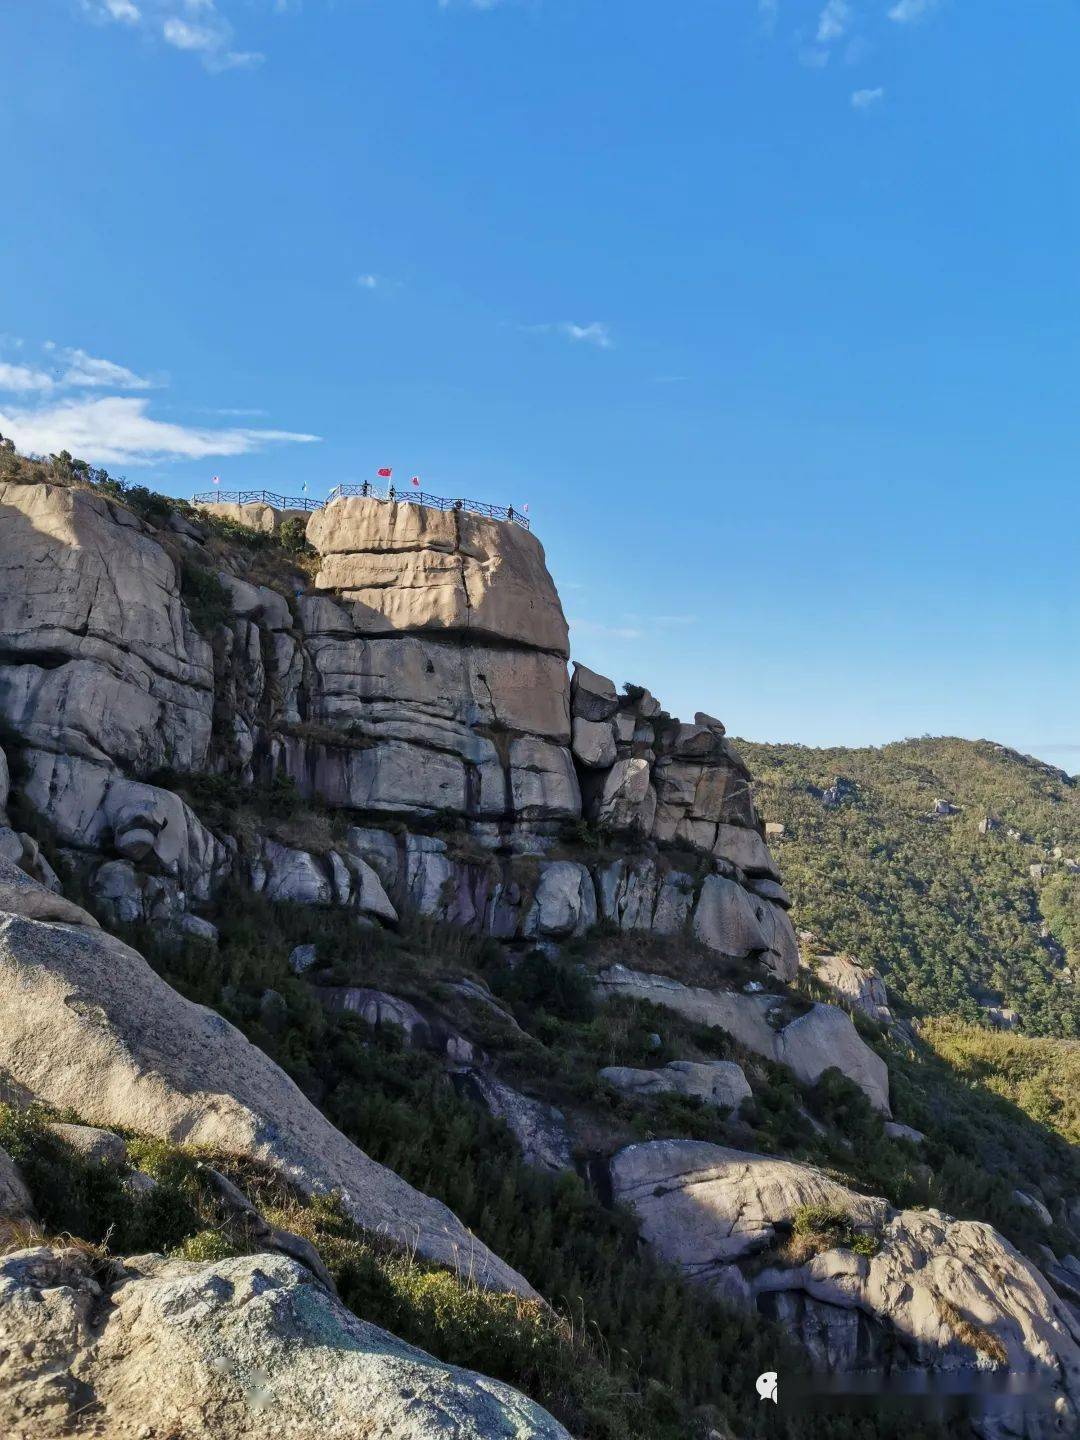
<point x="242" y="1349"/>
<point x="421" y="680"/>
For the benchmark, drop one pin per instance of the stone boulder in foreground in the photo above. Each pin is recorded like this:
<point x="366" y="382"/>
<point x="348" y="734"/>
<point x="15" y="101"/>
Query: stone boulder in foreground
<point x="244" y="1349"/>
<point x="87" y="1025"/>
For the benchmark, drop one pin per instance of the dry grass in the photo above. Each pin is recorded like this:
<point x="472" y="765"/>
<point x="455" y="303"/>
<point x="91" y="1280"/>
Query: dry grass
<point x="984" y="1341"/>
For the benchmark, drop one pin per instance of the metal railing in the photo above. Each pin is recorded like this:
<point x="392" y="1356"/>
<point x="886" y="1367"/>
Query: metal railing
<point x="256" y="497"/>
<point x="433" y="502"/>
<point x="367" y="491"/>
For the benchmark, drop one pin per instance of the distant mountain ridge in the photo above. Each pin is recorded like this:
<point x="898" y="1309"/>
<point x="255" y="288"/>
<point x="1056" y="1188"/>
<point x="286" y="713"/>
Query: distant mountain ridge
<point x="953" y="866"/>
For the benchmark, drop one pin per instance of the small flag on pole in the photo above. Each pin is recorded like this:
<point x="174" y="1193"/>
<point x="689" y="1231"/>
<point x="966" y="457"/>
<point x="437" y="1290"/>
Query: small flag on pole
<point x="217" y="479"/>
<point x="386" y="472"/>
<point x="416" y="481"/>
<point x="303" y="487"/>
<point x="525" y="507"/>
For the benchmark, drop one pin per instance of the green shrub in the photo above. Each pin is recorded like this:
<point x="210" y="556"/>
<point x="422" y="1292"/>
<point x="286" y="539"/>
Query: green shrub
<point x="208" y="602"/>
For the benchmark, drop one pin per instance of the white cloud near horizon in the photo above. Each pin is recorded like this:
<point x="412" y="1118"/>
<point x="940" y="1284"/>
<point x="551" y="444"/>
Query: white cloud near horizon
<point x="864" y="99"/>
<point x="46" y="412"/>
<point x="116" y="429"/>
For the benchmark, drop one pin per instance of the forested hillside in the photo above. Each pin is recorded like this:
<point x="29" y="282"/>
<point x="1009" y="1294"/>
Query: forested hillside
<point x="950" y="865"/>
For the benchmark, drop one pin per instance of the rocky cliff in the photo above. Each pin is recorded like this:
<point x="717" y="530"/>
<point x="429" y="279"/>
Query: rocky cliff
<point x="421" y="680"/>
<point x="346" y="789"/>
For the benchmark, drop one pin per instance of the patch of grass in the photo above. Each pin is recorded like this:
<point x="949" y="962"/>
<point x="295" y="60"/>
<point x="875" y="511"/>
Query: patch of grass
<point x="980" y="1339"/>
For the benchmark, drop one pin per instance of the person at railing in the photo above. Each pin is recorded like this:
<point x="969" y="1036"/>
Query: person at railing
<point x="510" y="513"/>
<point x="457" y="504"/>
<point x="391" y="493"/>
<point x="366" y="488"/>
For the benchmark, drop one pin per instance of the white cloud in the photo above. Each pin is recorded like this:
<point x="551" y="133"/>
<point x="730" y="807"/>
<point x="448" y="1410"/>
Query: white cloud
<point x="863" y="99"/>
<point x="368" y="282"/>
<point x="123" y="11"/>
<point x="833" y="21"/>
<point x="905" y="11"/>
<point x="22" y="380"/>
<point x="195" y="27"/>
<point x="596" y="332"/>
<point x="116" y="429"/>
<point x="87" y="372"/>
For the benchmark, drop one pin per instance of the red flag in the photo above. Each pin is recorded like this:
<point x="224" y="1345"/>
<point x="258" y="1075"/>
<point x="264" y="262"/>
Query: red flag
<point x="386" y="472"/>
<point x="416" y="481"/>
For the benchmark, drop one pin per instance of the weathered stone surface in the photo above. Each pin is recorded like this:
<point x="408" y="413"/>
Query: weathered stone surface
<point x="703" y="1206"/>
<point x="746" y="849"/>
<point x="20" y="895"/>
<point x="406" y="567"/>
<point x="594" y="743"/>
<point x="94" y="808"/>
<point x="1035" y="1205"/>
<point x="257" y="602"/>
<point x="896" y="1131"/>
<point x="419" y="1031"/>
<point x="101" y="659"/>
<point x="92" y="1143"/>
<point x="726" y="920"/>
<point x="718" y="1082"/>
<point x="15" y="1201"/>
<point x="592" y="697"/>
<point x="539" y="1129"/>
<point x="255" y="516"/>
<point x="399" y="678"/>
<point x="253" y="1348"/>
<point x="816" y="1041"/>
<point x="857" y="985"/>
<point x="627" y="800"/>
<point x="543" y="784"/>
<point x="89" y="1025"/>
<point x="565" y="901"/>
<point x="5" y="781"/>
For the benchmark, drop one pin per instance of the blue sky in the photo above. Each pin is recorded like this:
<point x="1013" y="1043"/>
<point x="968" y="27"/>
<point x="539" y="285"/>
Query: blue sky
<point x="768" y="311"/>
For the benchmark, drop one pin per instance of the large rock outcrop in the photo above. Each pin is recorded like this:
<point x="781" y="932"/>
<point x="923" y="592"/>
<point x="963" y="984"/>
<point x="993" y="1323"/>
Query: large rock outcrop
<point x="421" y="679"/>
<point x="404" y="568"/>
<point x="86" y="1025"/>
<point x="245" y="1349"/>
<point x="819" y="1039"/>
<point x="936" y="1294"/>
<point x="99" y="657"/>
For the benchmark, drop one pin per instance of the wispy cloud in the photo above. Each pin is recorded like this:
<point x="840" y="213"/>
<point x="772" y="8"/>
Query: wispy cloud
<point x="904" y="11"/>
<point x="368" y="282"/>
<point x="82" y="371"/>
<point x="196" y="27"/>
<point x="864" y="99"/>
<point x="116" y="429"/>
<point x="608" y="632"/>
<point x="632" y="627"/>
<point x="833" y="22"/>
<point x="596" y="332"/>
